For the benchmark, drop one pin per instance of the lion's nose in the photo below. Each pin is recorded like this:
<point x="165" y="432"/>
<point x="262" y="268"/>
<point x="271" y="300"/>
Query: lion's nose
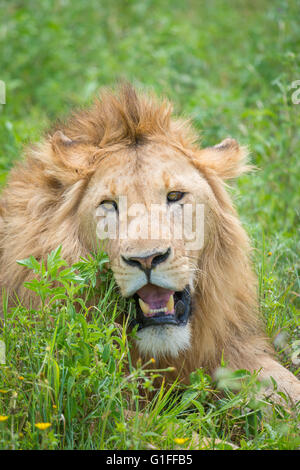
<point x="147" y="262"/>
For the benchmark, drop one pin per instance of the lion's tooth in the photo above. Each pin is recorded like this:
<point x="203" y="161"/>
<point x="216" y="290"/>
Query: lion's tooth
<point x="145" y="307"/>
<point x="170" y="304"/>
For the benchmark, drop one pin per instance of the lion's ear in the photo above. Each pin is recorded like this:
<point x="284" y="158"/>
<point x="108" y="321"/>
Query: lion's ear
<point x="71" y="154"/>
<point x="63" y="149"/>
<point x="59" y="139"/>
<point x="228" y="159"/>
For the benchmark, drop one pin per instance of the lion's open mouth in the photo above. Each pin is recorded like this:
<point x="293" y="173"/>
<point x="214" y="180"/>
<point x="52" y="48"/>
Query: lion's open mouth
<point x="158" y="306"/>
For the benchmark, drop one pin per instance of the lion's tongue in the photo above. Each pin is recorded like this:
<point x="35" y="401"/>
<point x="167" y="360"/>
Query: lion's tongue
<point x="156" y="297"/>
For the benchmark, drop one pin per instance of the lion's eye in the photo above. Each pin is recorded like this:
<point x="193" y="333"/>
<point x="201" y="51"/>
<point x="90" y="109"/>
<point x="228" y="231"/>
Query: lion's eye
<point x="175" y="196"/>
<point x="109" y="206"/>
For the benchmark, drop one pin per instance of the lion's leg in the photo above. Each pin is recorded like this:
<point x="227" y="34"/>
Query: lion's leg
<point x="268" y="368"/>
<point x="286" y="381"/>
<point x="257" y="356"/>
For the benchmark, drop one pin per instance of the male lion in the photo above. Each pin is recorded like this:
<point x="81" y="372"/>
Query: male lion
<point x="195" y="303"/>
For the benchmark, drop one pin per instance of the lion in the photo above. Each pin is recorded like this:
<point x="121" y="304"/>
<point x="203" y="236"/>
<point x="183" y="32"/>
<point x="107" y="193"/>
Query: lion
<point x="196" y="303"/>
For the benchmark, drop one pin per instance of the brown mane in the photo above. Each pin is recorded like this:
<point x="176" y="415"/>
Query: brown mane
<point x="123" y="117"/>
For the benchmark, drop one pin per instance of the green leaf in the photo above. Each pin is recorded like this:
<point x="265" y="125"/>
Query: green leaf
<point x="30" y="263"/>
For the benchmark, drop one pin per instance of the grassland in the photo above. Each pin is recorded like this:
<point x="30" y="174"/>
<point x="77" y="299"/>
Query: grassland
<point x="229" y="65"/>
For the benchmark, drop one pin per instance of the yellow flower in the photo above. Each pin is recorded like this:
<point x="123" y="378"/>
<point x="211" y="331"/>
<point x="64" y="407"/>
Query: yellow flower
<point x="3" y="418"/>
<point x="42" y="426"/>
<point x="270" y="253"/>
<point x="180" y="440"/>
<point x="20" y="377"/>
<point x="152" y="360"/>
<point x="54" y="406"/>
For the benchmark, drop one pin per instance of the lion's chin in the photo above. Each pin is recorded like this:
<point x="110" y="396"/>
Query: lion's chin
<point x="163" y="340"/>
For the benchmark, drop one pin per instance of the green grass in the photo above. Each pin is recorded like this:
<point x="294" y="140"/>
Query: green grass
<point x="228" y="64"/>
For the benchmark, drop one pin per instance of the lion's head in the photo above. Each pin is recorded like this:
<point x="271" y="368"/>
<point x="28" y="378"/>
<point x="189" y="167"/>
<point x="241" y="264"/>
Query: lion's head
<point x="175" y="243"/>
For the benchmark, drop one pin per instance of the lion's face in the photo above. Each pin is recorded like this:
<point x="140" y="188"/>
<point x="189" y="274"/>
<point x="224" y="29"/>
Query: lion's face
<point x="159" y="210"/>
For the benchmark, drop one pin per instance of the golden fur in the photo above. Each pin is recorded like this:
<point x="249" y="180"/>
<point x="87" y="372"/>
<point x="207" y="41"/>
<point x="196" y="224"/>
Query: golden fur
<point x="48" y="197"/>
